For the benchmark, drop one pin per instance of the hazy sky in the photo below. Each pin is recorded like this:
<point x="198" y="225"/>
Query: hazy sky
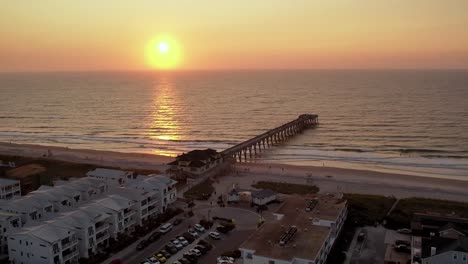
<point x="224" y="34"/>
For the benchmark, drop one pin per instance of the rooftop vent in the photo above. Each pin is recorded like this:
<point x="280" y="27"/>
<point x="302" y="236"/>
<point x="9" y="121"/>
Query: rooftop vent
<point x="288" y="235"/>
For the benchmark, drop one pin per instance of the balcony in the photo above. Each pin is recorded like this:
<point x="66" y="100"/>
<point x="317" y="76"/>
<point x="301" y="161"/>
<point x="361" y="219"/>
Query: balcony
<point x="101" y="228"/>
<point x="102" y="237"/>
<point x="70" y="255"/>
<point x="69" y="244"/>
<point x="128" y="213"/>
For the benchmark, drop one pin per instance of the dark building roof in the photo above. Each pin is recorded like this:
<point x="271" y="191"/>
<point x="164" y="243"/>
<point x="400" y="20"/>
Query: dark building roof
<point x="196" y="157"/>
<point x="453" y="226"/>
<point x="263" y="194"/>
<point x="198" y="154"/>
<point x="443" y="245"/>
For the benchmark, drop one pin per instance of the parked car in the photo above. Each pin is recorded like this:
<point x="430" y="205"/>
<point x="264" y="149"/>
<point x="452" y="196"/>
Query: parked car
<point x="188" y="237"/>
<point x="178" y="221"/>
<point x="202" y="249"/>
<point x="164" y="253"/>
<point x="205" y="244"/>
<point x="199" y="228"/>
<point x="193" y="232"/>
<point x="177" y="244"/>
<point x="153" y="260"/>
<point x="215" y="235"/>
<point x="143" y="243"/>
<point x="192" y="258"/>
<point x="161" y="258"/>
<point x="404" y="231"/>
<point x="184" y="261"/>
<point x="171" y="248"/>
<point x="196" y="252"/>
<point x="224" y="258"/>
<point x="165" y="228"/>
<point x="183" y="241"/>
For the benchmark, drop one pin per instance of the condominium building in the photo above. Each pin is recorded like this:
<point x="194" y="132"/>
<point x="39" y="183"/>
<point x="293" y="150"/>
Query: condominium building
<point x="303" y="233"/>
<point x="110" y="176"/>
<point x="88" y="208"/>
<point x="9" y="189"/>
<point x="47" y="243"/>
<point x="162" y="185"/>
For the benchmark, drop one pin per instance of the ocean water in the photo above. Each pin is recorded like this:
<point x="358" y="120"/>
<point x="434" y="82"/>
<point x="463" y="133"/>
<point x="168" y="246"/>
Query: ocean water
<point x="408" y="121"/>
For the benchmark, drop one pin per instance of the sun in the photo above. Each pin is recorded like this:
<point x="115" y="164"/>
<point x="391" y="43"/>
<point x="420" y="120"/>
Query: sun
<point x="163" y="47"/>
<point x="163" y="52"/>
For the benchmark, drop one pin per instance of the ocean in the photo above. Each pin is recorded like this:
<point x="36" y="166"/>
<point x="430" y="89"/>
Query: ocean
<point x="409" y="121"/>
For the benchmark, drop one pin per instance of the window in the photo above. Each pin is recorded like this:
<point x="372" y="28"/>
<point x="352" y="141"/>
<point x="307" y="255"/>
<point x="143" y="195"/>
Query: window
<point x="249" y="255"/>
<point x="271" y="262"/>
<point x="455" y="256"/>
<point x="464" y="257"/>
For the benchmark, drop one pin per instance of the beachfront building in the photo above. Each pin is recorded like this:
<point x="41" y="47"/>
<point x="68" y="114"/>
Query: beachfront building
<point x="303" y="233"/>
<point x="9" y="224"/>
<point x="44" y="244"/>
<point x="196" y="161"/>
<point x="146" y="202"/>
<point x="31" y="176"/>
<point x="88" y="206"/>
<point x="439" y="239"/>
<point x="264" y="197"/>
<point x="163" y="186"/>
<point x="9" y="189"/>
<point x="91" y="227"/>
<point x="110" y="176"/>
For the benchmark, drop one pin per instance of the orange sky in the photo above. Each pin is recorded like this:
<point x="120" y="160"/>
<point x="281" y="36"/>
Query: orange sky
<point x="51" y="35"/>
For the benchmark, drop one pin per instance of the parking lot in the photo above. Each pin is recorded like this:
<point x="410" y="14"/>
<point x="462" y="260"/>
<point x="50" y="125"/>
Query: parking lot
<point x="245" y="222"/>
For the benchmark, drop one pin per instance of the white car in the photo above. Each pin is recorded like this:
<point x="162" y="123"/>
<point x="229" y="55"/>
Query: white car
<point x="195" y="251"/>
<point x="404" y="231"/>
<point x="177" y="244"/>
<point x="153" y="260"/>
<point x="224" y="258"/>
<point x="193" y="232"/>
<point x="199" y="228"/>
<point x="183" y="241"/>
<point x="215" y="235"/>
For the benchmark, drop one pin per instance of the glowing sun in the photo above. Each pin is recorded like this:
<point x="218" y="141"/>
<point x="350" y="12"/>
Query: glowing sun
<point x="163" y="52"/>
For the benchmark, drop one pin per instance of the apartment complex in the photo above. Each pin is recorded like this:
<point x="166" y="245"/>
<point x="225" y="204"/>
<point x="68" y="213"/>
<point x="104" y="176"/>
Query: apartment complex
<point x="86" y="210"/>
<point x="196" y="161"/>
<point x="303" y="233"/>
<point x="9" y="189"/>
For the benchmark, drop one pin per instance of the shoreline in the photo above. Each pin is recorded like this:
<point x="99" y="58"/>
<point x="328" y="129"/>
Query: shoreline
<point x="328" y="179"/>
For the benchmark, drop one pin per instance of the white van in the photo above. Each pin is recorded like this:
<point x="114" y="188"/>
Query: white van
<point x="165" y="228"/>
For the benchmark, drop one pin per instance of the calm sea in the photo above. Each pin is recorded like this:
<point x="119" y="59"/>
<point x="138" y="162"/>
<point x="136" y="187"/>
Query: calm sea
<point x="411" y="121"/>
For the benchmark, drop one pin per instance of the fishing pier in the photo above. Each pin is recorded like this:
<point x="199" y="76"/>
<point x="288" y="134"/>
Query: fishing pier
<point x="249" y="149"/>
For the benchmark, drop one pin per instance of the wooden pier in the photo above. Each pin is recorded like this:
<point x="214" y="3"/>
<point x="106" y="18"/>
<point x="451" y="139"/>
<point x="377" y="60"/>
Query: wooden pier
<point x="248" y="149"/>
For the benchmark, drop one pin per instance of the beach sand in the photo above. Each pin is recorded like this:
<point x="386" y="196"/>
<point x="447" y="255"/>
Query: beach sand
<point x="328" y="179"/>
<point x="97" y="157"/>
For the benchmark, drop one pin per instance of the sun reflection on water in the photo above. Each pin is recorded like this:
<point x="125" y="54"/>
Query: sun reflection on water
<point x="165" y="126"/>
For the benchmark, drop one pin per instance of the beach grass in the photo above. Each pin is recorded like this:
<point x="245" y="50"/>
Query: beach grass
<point x="366" y="209"/>
<point x="57" y="169"/>
<point x="402" y="214"/>
<point x="286" y="188"/>
<point x="201" y="191"/>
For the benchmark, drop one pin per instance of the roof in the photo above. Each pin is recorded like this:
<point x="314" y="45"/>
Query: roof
<point x="443" y="245"/>
<point x="47" y="232"/>
<point x="114" y="202"/>
<point x="198" y="154"/>
<point x="107" y="173"/>
<point x="25" y="171"/>
<point x="263" y="194"/>
<point x="8" y="182"/>
<point x="305" y="244"/>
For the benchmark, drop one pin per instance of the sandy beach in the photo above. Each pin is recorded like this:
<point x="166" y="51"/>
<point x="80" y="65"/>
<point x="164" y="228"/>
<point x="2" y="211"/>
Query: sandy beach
<point x="98" y="157"/>
<point x="328" y="179"/>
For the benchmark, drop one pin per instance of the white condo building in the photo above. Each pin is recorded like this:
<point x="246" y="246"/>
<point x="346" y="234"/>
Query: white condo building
<point x="9" y="189"/>
<point x="88" y="210"/>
